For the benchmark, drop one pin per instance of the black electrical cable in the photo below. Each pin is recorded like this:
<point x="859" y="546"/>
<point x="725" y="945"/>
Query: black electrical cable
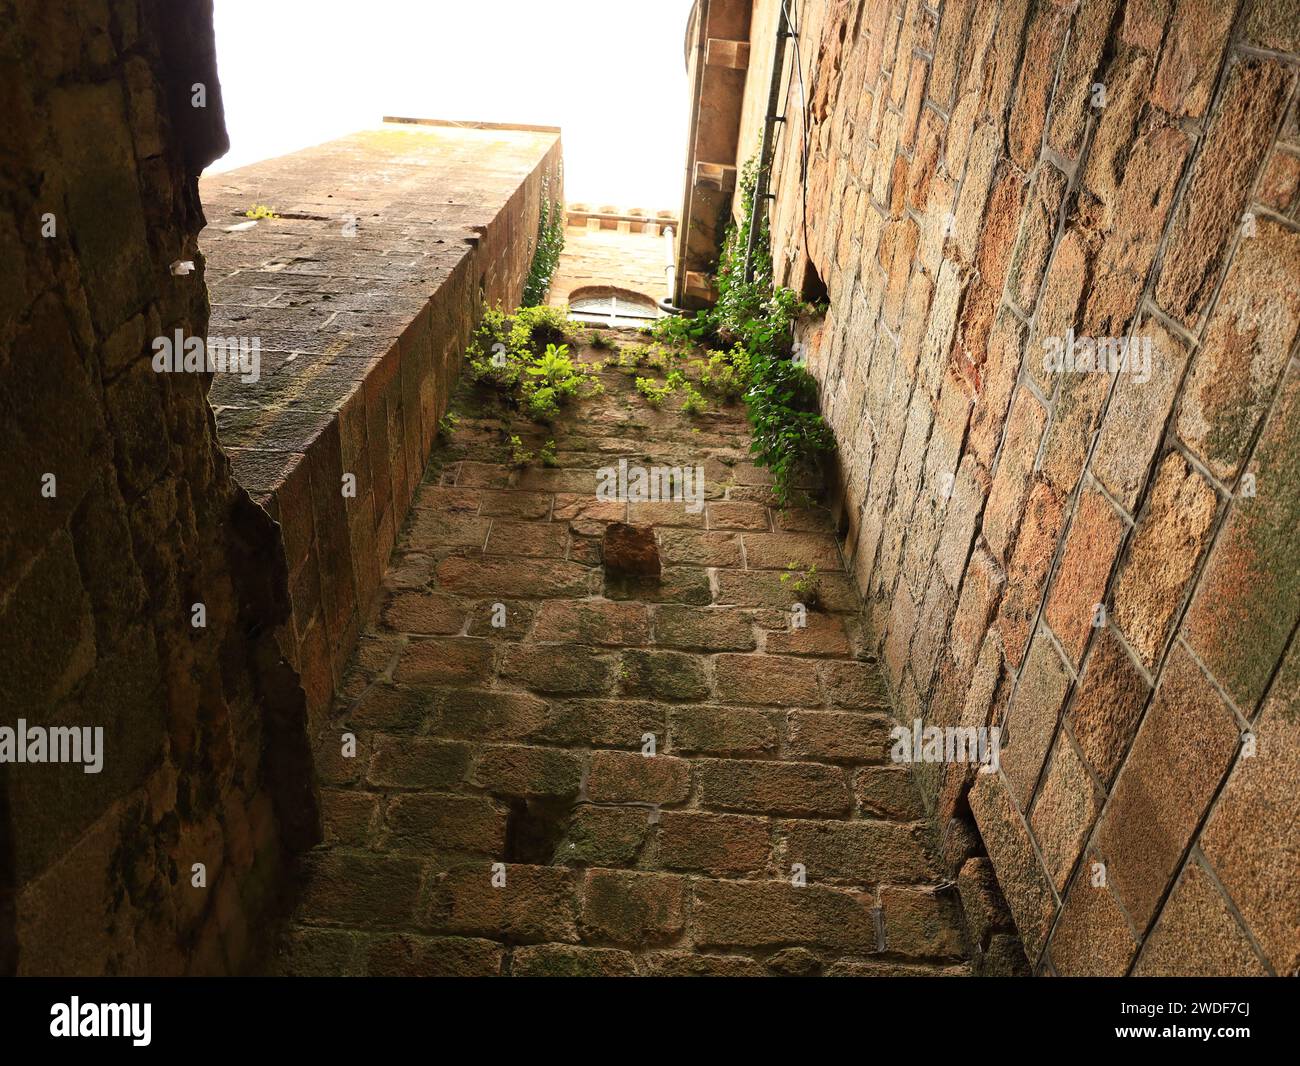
<point x="803" y="106"/>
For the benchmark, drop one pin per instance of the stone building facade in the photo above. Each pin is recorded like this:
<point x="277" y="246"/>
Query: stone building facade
<point x="623" y="255"/>
<point x="1102" y="562"/>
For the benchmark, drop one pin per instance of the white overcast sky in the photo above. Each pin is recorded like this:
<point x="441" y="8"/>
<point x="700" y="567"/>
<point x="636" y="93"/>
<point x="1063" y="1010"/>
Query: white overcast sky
<point x="610" y="73"/>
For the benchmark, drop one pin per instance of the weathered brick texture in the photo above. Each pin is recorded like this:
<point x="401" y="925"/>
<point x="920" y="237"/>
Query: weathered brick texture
<point x="984" y="182"/>
<point x="657" y="777"/>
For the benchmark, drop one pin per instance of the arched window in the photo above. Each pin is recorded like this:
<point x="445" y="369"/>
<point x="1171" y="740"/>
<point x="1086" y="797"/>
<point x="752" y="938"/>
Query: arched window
<point x="612" y="307"/>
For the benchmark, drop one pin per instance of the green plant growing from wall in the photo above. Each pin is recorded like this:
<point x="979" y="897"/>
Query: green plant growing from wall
<point x="546" y="255"/>
<point x="551" y="378"/>
<point x="655" y="394"/>
<point x="753" y="321"/>
<point x="726" y="374"/>
<point x="631" y="357"/>
<point x="659" y="357"/>
<point x="673" y="333"/>
<point x="805" y="584"/>
<point x="541" y="403"/>
<point x="693" y="401"/>
<point x="519" y="455"/>
<point x="519" y="356"/>
<point x="447" y="425"/>
<point x="556" y="369"/>
<point x="540" y="325"/>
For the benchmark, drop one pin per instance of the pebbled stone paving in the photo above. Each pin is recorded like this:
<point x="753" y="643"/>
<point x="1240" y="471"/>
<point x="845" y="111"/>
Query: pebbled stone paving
<point x="499" y="815"/>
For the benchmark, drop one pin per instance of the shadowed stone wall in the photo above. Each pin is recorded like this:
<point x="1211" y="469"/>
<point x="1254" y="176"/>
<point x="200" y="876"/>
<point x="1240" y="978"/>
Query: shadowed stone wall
<point x="120" y="515"/>
<point x="1102" y="563"/>
<point x="142" y="589"/>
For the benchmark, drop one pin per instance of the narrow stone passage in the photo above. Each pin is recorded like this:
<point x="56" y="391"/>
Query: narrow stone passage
<point x="499" y="814"/>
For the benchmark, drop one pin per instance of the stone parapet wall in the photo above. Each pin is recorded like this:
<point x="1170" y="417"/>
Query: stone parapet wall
<point x="1103" y="564"/>
<point x="362" y="292"/>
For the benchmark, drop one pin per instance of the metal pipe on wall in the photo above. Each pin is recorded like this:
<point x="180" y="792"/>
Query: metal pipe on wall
<point x="765" y="147"/>
<point x="670" y="269"/>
